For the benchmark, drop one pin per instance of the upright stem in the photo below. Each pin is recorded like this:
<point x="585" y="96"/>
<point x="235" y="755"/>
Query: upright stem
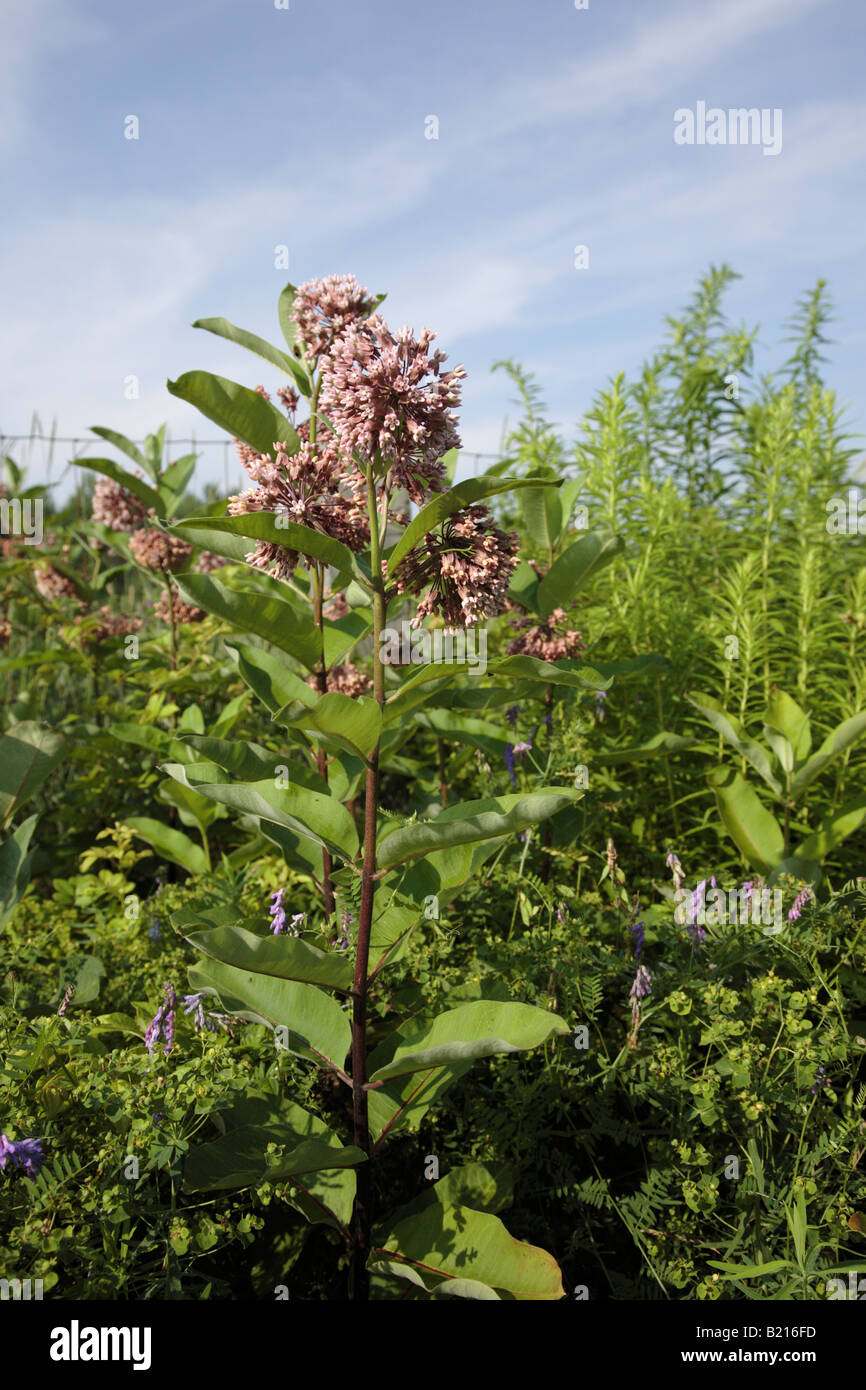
<point x="172" y="622"/>
<point x="362" y="1217"/>
<point x="321" y="760"/>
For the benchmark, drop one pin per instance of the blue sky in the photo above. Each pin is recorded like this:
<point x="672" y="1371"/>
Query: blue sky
<point x="305" y="127"/>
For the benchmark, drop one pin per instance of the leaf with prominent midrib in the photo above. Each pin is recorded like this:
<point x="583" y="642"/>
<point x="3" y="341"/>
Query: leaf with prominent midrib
<point x="454" y="1242"/>
<point x="469" y="821"/>
<point x="479" y="1029"/>
<point x="317" y="1026"/>
<point x="284" y="957"/>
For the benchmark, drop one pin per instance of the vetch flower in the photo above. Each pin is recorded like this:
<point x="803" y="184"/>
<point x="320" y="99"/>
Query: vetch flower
<point x="162" y="1024"/>
<point x="676" y="868"/>
<point x="637" y="931"/>
<point x="799" y="903"/>
<point x="25" y="1154"/>
<point x="521" y="748"/>
<point x="277" y="913"/>
<point x="642" y="984"/>
<point x="508" y="758"/>
<point x="511" y="715"/>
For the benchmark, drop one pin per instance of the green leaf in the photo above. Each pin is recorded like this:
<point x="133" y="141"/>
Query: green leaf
<point x="835" y="827"/>
<point x="242" y="412"/>
<point x="172" y="484"/>
<point x="277" y="622"/>
<point x="467" y="822"/>
<point x="542" y="515"/>
<point x="732" y="1271"/>
<point x="284" y="957"/>
<point x="453" y="1242"/>
<point x="478" y="733"/>
<point x="846" y="733"/>
<point x="524" y="585"/>
<point x="446" y="503"/>
<point x="575" y="567"/>
<point x="171" y="844"/>
<point x="275" y="528"/>
<point x="531" y="668"/>
<point x="479" y="1029"/>
<point x="269" y="677"/>
<point x="29" y="753"/>
<point x="148" y="496"/>
<point x="15" y="861"/>
<point x="353" y="723"/>
<point x="732" y="732"/>
<point x="659" y="746"/>
<point x="121" y="442"/>
<point x="84" y="973"/>
<point x="259" y="346"/>
<point x="785" y="714"/>
<point x="754" y="830"/>
<point x="238" y="1158"/>
<point x="317" y="1028"/>
<point x="312" y="814"/>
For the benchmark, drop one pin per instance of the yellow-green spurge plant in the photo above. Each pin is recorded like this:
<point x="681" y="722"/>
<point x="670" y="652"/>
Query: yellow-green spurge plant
<point x="323" y="557"/>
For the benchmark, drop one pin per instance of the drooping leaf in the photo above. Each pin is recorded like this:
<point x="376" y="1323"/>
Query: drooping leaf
<point x="351" y="723"/>
<point x="171" y="844"/>
<point x="276" y="529"/>
<point x="148" y="496"/>
<point x="453" y="1242"/>
<point x="479" y="1029"/>
<point x="270" y="678"/>
<point x="754" y="830"/>
<point x="575" y="567"/>
<point x="277" y="622"/>
<point x="835" y="827"/>
<point x="284" y="957"/>
<point x="29" y="753"/>
<point x="732" y="732"/>
<point x="470" y="821"/>
<point x="842" y="737"/>
<point x="243" y="413"/>
<point x="317" y="1028"/>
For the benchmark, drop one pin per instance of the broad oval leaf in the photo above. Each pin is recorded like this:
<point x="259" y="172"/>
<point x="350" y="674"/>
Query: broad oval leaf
<point x="478" y="1029"/>
<point x="575" y="567"/>
<point x="317" y="1027"/>
<point x="29" y="753"/>
<point x="242" y="412"/>
<point x="284" y="957"/>
<point x="454" y="1242"/>
<point x="754" y="830"/>
<point x="470" y="821"/>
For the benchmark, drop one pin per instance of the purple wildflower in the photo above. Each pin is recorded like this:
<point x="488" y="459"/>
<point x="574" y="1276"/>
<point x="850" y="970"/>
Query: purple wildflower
<point x="66" y="1001"/>
<point x="822" y="1081"/>
<point x="508" y="757"/>
<point x="277" y="913"/>
<point x="25" y="1154"/>
<point x="523" y="747"/>
<point x="600" y="697"/>
<point x="511" y="715"/>
<point x="154" y="931"/>
<point x="343" y="940"/>
<point x="799" y="903"/>
<point x="162" y="1024"/>
<point x="676" y="868"/>
<point x="642" y="984"/>
<point x="694" y="911"/>
<point x="561" y="914"/>
<point x="637" y="932"/>
<point x="202" y="1022"/>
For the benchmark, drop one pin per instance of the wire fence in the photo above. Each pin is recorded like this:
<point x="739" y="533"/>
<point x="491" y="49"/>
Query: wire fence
<point x="218" y="462"/>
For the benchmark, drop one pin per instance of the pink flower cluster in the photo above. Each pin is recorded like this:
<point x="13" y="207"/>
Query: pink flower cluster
<point x="548" y="641"/>
<point x="117" y="508"/>
<point x="53" y="585"/>
<point x="346" y="680"/>
<point x="305" y="488"/>
<point x="387" y="398"/>
<point x="465" y="566"/>
<point x="324" y="309"/>
<point x="183" y="612"/>
<point x="156" y="550"/>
